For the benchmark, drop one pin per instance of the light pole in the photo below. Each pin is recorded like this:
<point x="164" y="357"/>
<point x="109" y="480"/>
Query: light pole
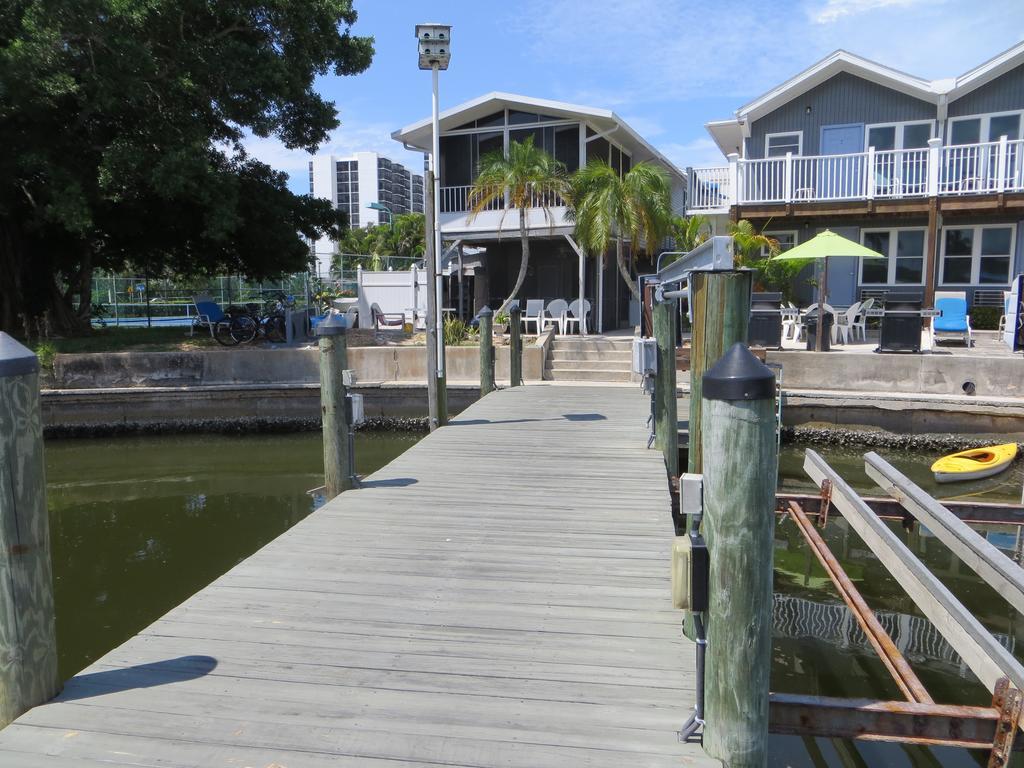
<point x="434" y="42"/>
<point x="391" y="222"/>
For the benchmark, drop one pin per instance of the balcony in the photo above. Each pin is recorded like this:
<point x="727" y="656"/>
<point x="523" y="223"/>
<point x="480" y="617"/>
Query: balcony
<point x="461" y="200"/>
<point x="936" y="171"/>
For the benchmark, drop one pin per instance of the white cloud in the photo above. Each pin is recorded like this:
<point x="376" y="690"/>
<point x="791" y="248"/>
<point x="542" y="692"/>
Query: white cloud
<point x="695" y="153"/>
<point x="833" y="10"/>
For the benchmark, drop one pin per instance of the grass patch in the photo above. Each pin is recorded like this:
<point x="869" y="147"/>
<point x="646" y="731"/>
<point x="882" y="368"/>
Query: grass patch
<point x="164" y="339"/>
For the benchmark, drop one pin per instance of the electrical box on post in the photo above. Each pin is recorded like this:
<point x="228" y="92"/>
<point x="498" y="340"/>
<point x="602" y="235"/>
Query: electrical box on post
<point x="645" y="356"/>
<point x="691" y="569"/>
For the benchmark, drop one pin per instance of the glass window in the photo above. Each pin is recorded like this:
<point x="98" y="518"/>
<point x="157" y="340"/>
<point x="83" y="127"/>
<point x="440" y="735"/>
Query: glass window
<point x="778" y="146"/>
<point x="995" y="255"/>
<point x="909" y="256"/>
<point x="876" y="270"/>
<point x="916" y="136"/>
<point x="598" y="149"/>
<point x="786" y="240"/>
<point x="456" y="160"/>
<point x="959" y="242"/>
<point x="484" y="144"/>
<point x="882" y="137"/>
<point x="497" y="118"/>
<point x="965" y="131"/>
<point x="1004" y="125"/>
<point x="520" y="118"/>
<point x="567" y="147"/>
<point x="616" y="160"/>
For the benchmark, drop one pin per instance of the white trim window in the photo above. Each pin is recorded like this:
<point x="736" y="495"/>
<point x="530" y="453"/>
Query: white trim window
<point x="979" y="129"/>
<point x="977" y="255"/>
<point x="903" y="249"/>
<point x="786" y="239"/>
<point x="908" y="135"/>
<point x="781" y="144"/>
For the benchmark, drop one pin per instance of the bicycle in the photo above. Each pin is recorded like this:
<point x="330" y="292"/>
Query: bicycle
<point x="245" y="324"/>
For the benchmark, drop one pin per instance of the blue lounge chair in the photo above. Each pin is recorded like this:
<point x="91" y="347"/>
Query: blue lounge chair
<point x="954" y="320"/>
<point x="208" y="314"/>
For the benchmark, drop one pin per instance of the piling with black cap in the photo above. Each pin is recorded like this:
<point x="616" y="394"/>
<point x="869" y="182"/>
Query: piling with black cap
<point x="740" y="469"/>
<point x="28" y="640"/>
<point x="486" y="351"/>
<point x="515" y="346"/>
<point x="338" y="474"/>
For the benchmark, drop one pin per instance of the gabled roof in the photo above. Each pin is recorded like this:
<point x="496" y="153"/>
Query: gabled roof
<point x="935" y="92"/>
<point x="418" y="134"/>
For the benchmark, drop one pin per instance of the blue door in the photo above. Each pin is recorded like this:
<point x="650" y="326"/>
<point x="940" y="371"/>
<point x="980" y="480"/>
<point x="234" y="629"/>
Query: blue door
<point x="842" y="272"/>
<point x="841" y="177"/>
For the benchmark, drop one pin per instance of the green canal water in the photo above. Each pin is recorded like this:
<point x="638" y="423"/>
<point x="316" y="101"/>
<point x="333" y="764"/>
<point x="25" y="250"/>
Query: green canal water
<point x="140" y="524"/>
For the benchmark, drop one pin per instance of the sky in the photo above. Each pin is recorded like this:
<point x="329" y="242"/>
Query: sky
<point x="665" y="66"/>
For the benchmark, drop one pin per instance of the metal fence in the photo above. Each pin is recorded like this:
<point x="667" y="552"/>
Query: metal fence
<point x="132" y="300"/>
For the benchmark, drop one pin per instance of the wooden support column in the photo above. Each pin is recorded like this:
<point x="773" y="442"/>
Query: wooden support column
<point x="486" y="351"/>
<point x="338" y="474"/>
<point x="28" y="640"/>
<point x="515" y="349"/>
<point x="666" y="416"/>
<point x="741" y="462"/>
<point x="721" y="315"/>
<point x="931" y="252"/>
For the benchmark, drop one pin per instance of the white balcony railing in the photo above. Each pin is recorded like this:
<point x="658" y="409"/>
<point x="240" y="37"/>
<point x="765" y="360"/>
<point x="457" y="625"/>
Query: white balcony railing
<point x="992" y="167"/>
<point x="462" y="199"/>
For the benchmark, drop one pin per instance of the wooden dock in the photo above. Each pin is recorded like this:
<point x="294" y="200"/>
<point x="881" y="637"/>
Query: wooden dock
<point x="496" y="596"/>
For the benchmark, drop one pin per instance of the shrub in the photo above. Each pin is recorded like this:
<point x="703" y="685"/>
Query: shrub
<point x="456" y="332"/>
<point x="985" y="318"/>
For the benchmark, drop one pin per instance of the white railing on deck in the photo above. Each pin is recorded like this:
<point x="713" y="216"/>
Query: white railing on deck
<point x="462" y="199"/>
<point x="709" y="188"/>
<point x="992" y="167"/>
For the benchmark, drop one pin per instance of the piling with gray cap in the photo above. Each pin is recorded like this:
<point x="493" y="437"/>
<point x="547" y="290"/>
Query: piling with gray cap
<point x="28" y="640"/>
<point x="338" y="474"/>
<point x="740" y="470"/>
<point x="515" y="346"/>
<point x="486" y="317"/>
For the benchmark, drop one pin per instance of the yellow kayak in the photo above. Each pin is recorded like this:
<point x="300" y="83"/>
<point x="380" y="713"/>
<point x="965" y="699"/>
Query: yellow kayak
<point x="975" y="463"/>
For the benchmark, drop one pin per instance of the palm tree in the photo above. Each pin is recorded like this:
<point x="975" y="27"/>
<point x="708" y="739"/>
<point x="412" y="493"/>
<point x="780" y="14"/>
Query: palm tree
<point x="607" y="206"/>
<point x="750" y="244"/>
<point x="531" y="178"/>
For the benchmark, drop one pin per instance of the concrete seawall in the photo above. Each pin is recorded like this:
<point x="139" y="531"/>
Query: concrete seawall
<point x="377" y="365"/>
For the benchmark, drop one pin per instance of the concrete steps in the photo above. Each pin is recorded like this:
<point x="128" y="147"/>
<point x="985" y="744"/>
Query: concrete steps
<point x="589" y="359"/>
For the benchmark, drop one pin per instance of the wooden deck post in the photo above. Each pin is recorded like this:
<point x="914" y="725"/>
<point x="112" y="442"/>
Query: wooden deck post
<point x="28" y="641"/>
<point x="721" y="315"/>
<point x="741" y="461"/>
<point x="486" y="316"/>
<point x="515" y="346"/>
<point x="666" y="415"/>
<point x="333" y="361"/>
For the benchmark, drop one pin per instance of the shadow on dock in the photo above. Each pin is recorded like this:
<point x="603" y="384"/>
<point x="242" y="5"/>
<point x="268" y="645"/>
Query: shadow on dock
<point x="175" y="670"/>
<point x="563" y="417"/>
<point x="394" y="482"/>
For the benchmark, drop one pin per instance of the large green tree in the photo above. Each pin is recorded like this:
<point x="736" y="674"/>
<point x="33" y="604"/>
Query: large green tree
<point x="122" y="125"/>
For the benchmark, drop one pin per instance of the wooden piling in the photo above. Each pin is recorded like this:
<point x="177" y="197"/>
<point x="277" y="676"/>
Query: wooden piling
<point x="666" y="416"/>
<point x="486" y="351"/>
<point x="338" y="475"/>
<point x="721" y="314"/>
<point x="741" y="462"/>
<point x="28" y="641"/>
<point x="515" y="346"/>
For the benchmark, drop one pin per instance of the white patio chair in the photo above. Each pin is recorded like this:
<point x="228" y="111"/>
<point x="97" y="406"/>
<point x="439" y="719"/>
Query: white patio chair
<point x="792" y="327"/>
<point x="1006" y="311"/>
<point x="573" y="315"/>
<point x="844" y="323"/>
<point x="860" y="323"/>
<point x="534" y="314"/>
<point x="554" y="314"/>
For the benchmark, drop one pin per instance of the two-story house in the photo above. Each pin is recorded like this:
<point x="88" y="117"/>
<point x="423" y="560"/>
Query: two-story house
<point x="929" y="173"/>
<point x="487" y="245"/>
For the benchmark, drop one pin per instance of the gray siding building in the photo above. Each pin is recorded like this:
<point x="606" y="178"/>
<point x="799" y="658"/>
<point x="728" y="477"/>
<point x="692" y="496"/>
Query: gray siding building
<point x="928" y="172"/>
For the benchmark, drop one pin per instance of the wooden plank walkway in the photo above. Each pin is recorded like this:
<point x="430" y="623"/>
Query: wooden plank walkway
<point x="496" y="596"/>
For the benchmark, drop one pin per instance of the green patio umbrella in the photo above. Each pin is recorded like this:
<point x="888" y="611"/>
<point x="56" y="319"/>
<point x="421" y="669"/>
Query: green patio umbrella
<point x="823" y="246"/>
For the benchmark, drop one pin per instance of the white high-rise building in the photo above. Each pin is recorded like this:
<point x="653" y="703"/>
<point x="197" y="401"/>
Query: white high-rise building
<point x="352" y="183"/>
